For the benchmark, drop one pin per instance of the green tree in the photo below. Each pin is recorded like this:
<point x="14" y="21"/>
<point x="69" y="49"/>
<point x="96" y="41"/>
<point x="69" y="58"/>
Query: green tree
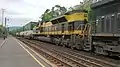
<point x="86" y="5"/>
<point x="55" y="11"/>
<point x="46" y="16"/>
<point x="1" y="29"/>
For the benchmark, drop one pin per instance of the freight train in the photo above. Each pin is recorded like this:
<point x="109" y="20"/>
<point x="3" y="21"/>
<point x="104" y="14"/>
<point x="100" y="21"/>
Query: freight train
<point x="74" y="30"/>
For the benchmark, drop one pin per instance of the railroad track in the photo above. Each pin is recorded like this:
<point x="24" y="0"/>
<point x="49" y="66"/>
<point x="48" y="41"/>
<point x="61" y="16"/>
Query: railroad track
<point x="66" y="59"/>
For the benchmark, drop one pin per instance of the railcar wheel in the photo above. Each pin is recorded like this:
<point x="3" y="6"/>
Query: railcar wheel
<point x="100" y="50"/>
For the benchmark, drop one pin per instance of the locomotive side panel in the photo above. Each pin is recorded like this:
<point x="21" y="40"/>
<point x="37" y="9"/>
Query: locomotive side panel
<point x="106" y="39"/>
<point x="106" y="17"/>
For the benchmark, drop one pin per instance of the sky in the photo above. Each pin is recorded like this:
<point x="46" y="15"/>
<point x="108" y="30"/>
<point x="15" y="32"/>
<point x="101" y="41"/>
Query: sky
<point x="21" y="12"/>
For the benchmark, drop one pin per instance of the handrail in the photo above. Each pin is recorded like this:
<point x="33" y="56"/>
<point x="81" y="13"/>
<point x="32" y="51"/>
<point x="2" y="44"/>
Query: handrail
<point x="88" y="29"/>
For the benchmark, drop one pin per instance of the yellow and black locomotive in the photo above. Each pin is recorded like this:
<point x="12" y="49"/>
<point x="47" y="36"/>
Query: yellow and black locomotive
<point x="67" y="30"/>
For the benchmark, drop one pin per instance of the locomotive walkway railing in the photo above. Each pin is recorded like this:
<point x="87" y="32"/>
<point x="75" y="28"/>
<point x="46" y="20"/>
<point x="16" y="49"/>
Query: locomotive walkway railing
<point x="87" y="36"/>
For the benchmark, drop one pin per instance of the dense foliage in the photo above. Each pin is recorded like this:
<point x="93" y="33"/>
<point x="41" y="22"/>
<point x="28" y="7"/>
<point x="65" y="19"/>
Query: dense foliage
<point x="57" y="10"/>
<point x="2" y="30"/>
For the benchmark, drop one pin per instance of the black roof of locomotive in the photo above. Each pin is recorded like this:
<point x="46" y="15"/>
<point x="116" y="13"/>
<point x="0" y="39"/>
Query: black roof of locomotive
<point x="102" y="3"/>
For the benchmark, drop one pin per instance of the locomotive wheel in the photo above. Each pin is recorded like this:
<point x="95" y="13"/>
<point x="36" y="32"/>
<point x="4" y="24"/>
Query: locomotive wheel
<point x="79" y="47"/>
<point x="100" y="50"/>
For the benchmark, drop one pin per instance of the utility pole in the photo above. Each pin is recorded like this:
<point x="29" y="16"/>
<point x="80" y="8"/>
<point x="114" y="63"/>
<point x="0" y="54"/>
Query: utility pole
<point x="5" y="35"/>
<point x="5" y="21"/>
<point x="6" y="27"/>
<point x="2" y="16"/>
